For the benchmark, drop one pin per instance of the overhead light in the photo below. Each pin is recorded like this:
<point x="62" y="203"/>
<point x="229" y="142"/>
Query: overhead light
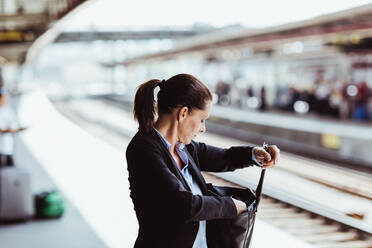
<point x="301" y="107"/>
<point x="352" y="90"/>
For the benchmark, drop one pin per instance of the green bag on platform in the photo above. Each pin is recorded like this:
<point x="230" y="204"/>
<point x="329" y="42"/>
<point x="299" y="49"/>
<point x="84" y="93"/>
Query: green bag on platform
<point x="49" y="204"/>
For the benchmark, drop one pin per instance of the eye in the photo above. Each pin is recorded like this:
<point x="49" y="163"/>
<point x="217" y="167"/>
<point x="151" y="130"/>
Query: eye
<point x="202" y="121"/>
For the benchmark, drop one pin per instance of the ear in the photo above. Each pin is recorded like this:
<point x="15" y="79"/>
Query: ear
<point x="182" y="113"/>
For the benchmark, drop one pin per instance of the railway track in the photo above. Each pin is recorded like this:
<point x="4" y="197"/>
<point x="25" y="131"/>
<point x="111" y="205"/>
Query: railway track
<point x="313" y="225"/>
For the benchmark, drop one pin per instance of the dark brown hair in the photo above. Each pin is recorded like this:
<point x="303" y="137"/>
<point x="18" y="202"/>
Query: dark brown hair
<point x="178" y="91"/>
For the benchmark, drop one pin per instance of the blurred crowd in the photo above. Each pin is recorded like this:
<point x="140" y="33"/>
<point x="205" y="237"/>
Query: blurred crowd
<point x="342" y="99"/>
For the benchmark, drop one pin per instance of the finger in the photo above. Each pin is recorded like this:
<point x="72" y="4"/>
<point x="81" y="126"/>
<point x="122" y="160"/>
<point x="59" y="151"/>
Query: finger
<point x="277" y="154"/>
<point x="274" y="151"/>
<point x="258" y="151"/>
<point x="267" y="165"/>
<point x="267" y="156"/>
<point x="260" y="156"/>
<point x="270" y="163"/>
<point x="277" y="158"/>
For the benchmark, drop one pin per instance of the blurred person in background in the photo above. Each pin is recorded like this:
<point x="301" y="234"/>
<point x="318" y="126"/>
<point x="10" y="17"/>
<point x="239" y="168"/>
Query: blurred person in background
<point x="169" y="193"/>
<point x="322" y="94"/>
<point x="361" y="112"/>
<point x="337" y="100"/>
<point x="263" y="105"/>
<point x="222" y="91"/>
<point x="346" y="105"/>
<point x="8" y="123"/>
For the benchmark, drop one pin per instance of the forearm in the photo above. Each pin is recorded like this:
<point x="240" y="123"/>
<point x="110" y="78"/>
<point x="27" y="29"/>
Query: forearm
<point x="216" y="159"/>
<point x="239" y="157"/>
<point x="9" y="130"/>
<point x="12" y="130"/>
<point x="209" y="208"/>
<point x="4" y="131"/>
<point x="184" y="207"/>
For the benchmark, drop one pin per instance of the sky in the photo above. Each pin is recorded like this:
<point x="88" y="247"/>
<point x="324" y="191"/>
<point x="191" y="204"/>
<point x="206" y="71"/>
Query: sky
<point x="98" y="14"/>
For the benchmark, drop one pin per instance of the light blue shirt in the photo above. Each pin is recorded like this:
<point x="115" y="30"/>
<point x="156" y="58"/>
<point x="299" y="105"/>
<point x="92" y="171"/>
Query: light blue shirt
<point x="201" y="238"/>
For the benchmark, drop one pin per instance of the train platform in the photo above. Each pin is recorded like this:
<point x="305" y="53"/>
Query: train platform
<point x="318" y="137"/>
<point x="93" y="179"/>
<point x="307" y="123"/>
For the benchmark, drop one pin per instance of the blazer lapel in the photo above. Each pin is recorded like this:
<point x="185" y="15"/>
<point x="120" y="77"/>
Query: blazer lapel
<point x="194" y="169"/>
<point x="174" y="168"/>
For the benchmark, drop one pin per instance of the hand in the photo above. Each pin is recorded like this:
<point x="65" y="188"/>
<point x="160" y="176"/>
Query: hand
<point x="268" y="159"/>
<point x="10" y="130"/>
<point x="240" y="206"/>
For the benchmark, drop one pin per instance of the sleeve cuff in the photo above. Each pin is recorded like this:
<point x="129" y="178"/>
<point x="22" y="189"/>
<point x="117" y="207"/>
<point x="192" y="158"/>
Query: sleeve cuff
<point x="255" y="162"/>
<point x="231" y="208"/>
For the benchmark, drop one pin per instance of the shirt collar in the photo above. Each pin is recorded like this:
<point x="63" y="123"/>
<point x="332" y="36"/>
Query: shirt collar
<point x="179" y="145"/>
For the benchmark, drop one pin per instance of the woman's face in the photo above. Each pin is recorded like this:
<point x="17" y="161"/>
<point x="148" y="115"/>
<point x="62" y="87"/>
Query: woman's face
<point x="192" y="123"/>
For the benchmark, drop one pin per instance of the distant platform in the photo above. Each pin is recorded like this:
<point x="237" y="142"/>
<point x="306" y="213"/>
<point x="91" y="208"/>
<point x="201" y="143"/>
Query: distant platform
<point x="347" y="143"/>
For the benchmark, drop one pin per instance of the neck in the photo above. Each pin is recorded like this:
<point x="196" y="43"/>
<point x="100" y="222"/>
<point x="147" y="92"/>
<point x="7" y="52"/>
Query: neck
<point x="168" y="129"/>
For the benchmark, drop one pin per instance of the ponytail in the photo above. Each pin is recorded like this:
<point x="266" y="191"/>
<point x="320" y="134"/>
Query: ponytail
<point x="144" y="105"/>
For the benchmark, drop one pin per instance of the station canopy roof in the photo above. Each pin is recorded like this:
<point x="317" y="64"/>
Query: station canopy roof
<point x="140" y="15"/>
<point x="351" y="22"/>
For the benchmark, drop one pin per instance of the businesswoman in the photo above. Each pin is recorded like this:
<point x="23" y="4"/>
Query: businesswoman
<point x="168" y="191"/>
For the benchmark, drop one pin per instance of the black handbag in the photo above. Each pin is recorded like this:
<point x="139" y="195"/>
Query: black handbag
<point x="234" y="233"/>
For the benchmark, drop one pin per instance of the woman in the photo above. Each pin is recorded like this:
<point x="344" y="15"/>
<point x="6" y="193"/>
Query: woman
<point x="168" y="191"/>
<point x="7" y="130"/>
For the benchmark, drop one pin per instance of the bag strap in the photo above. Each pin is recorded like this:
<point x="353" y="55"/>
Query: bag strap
<point x="260" y="183"/>
<point x="259" y="188"/>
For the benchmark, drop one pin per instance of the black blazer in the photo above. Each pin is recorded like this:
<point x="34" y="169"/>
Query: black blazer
<point x="168" y="213"/>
